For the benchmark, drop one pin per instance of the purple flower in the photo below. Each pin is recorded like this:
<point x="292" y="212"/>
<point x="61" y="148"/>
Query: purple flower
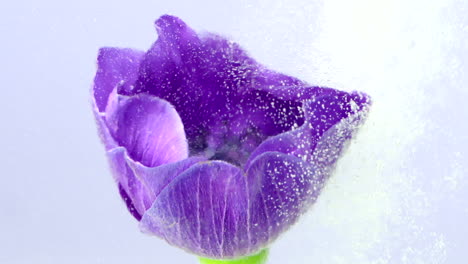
<point x="212" y="151"/>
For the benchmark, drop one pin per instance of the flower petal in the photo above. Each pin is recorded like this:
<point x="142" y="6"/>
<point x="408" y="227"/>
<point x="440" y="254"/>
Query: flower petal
<point x="296" y="143"/>
<point x="132" y="191"/>
<point x="148" y="127"/>
<point x="140" y="185"/>
<point x="129" y="202"/>
<point x="332" y="117"/>
<point x="332" y="121"/>
<point x="230" y="90"/>
<point x="114" y="66"/>
<point x="203" y="211"/>
<point x="281" y="187"/>
<point x="155" y="179"/>
<point x="323" y="112"/>
<point x="186" y="70"/>
<point x="214" y="210"/>
<point x="103" y="131"/>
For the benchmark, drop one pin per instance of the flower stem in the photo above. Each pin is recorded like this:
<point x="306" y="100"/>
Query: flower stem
<point x="259" y="258"/>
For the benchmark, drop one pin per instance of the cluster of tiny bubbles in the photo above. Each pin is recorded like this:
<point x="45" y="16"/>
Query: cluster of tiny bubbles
<point x="384" y="201"/>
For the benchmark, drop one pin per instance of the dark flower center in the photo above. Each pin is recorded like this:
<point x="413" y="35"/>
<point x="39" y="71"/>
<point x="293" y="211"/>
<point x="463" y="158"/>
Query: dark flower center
<point x="234" y="149"/>
<point x="233" y="135"/>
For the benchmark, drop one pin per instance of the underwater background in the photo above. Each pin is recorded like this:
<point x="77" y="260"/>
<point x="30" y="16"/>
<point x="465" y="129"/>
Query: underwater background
<point x="399" y="194"/>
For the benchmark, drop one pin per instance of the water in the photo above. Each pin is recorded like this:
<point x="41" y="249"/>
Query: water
<point x="398" y="195"/>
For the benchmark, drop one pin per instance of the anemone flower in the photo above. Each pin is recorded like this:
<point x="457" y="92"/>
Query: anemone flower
<point x="212" y="151"/>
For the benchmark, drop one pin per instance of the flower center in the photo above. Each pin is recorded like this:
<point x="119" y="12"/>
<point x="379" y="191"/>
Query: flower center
<point x="233" y="148"/>
<point x="234" y="133"/>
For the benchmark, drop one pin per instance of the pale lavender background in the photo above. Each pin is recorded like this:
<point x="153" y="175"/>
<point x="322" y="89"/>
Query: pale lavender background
<point x="399" y="195"/>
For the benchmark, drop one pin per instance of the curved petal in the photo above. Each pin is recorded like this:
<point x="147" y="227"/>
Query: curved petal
<point x="270" y="80"/>
<point x="132" y="191"/>
<point x="155" y="179"/>
<point x="140" y="185"/>
<point x="296" y="143"/>
<point x="326" y="111"/>
<point x="213" y="210"/>
<point x="115" y="65"/>
<point x="103" y="131"/>
<point x="332" y="117"/>
<point x="291" y="91"/>
<point x="148" y="127"/>
<point x="129" y="202"/>
<point x="281" y="187"/>
<point x="189" y="70"/>
<point x="203" y="211"/>
<point x="331" y="144"/>
<point x="227" y="86"/>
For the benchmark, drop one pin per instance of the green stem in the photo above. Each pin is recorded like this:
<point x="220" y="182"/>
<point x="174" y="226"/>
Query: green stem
<point x="260" y="258"/>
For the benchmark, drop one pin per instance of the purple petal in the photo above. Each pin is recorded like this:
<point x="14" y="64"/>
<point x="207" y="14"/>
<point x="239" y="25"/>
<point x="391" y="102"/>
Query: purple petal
<point x="131" y="189"/>
<point x="188" y="71"/>
<point x="148" y="127"/>
<point x="129" y="202"/>
<point x="203" y="211"/>
<point x="210" y="210"/>
<point x="326" y="111"/>
<point x="281" y="187"/>
<point x="114" y="66"/>
<point x="332" y="117"/>
<point x="140" y="185"/>
<point x="234" y="108"/>
<point x="334" y="129"/>
<point x="103" y="131"/>
<point x="296" y="143"/>
<point x="155" y="179"/>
